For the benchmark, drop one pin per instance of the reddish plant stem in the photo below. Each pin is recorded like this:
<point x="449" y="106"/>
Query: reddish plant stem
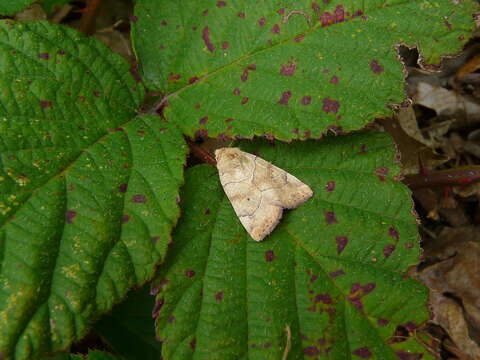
<point x="87" y="22"/>
<point x="454" y="177"/>
<point x="201" y="153"/>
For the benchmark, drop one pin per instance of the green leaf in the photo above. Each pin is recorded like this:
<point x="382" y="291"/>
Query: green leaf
<point x="331" y="273"/>
<point x="52" y="5"/>
<point x="289" y="69"/>
<point x="88" y="191"/>
<point x="10" y="7"/>
<point x="92" y="355"/>
<point x="129" y="330"/>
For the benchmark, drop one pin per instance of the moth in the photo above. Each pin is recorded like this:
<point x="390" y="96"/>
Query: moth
<point x="258" y="190"/>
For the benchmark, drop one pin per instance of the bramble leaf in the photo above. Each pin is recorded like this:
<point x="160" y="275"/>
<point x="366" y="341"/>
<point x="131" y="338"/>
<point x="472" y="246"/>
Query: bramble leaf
<point x="328" y="280"/>
<point x="287" y="69"/>
<point x="88" y="190"/>
<point x="10" y="7"/>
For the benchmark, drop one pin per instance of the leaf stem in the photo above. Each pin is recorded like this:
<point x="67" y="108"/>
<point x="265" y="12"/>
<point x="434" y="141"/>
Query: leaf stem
<point x="87" y="22"/>
<point x="454" y="177"/>
<point x="201" y="153"/>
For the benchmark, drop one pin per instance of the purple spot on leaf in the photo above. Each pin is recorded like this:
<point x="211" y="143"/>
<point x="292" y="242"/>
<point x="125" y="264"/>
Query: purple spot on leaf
<point x="44" y="56"/>
<point x="324" y="298"/>
<point x="392" y="232"/>
<point x="334" y="80"/>
<point x="262" y="21"/>
<point x="330" y="217"/>
<point x="139" y="198"/>
<point x="286" y="95"/>
<point x="388" y="250"/>
<point x="157" y="307"/>
<point x="275" y="29"/>
<point x="225" y="45"/>
<point x="45" y="104"/>
<point x="311" y="351"/>
<point x="330" y="186"/>
<point x="207" y="212"/>
<point x="202" y="133"/>
<point x="288" y="69"/>
<point x="125" y="218"/>
<point x="299" y="38"/>
<point x="306" y="100"/>
<point x="236" y="91"/>
<point x="362" y="352"/>
<point x="269" y="256"/>
<point x="219" y="296"/>
<point x="203" y="120"/>
<point x="69" y="216"/>
<point x="244" y="100"/>
<point x="241" y="15"/>
<point x="221" y="4"/>
<point x="189" y="273"/>
<point x="376" y="67"/>
<point x="193" y="80"/>
<point x="330" y="106"/>
<point x="336" y="273"/>
<point x="382" y="322"/>
<point x="206" y="39"/>
<point x="341" y="241"/>
<point x="315" y="7"/>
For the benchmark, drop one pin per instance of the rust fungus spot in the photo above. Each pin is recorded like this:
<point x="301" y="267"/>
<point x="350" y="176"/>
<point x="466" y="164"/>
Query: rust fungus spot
<point x="382" y="322"/>
<point x="311" y="351"/>
<point x="139" y="198"/>
<point x="288" y="69"/>
<point x="244" y="100"/>
<point x="341" y="241"/>
<point x="269" y="256"/>
<point x="393" y="233"/>
<point x="388" y="250"/>
<point x="202" y="133"/>
<point x="330" y="106"/>
<point x="299" y="38"/>
<point x="336" y="273"/>
<point x="362" y="352"/>
<point x="323" y="298"/>
<point x="286" y="95"/>
<point x="174" y="77"/>
<point x="193" y="80"/>
<point x="330" y="217"/>
<point x="45" y="104"/>
<point x="381" y="173"/>
<point x="330" y="186"/>
<point x="189" y="273"/>
<point x="376" y="67"/>
<point x="306" y="100"/>
<point x="206" y="39"/>
<point x="327" y="19"/>
<point x="69" y="216"/>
